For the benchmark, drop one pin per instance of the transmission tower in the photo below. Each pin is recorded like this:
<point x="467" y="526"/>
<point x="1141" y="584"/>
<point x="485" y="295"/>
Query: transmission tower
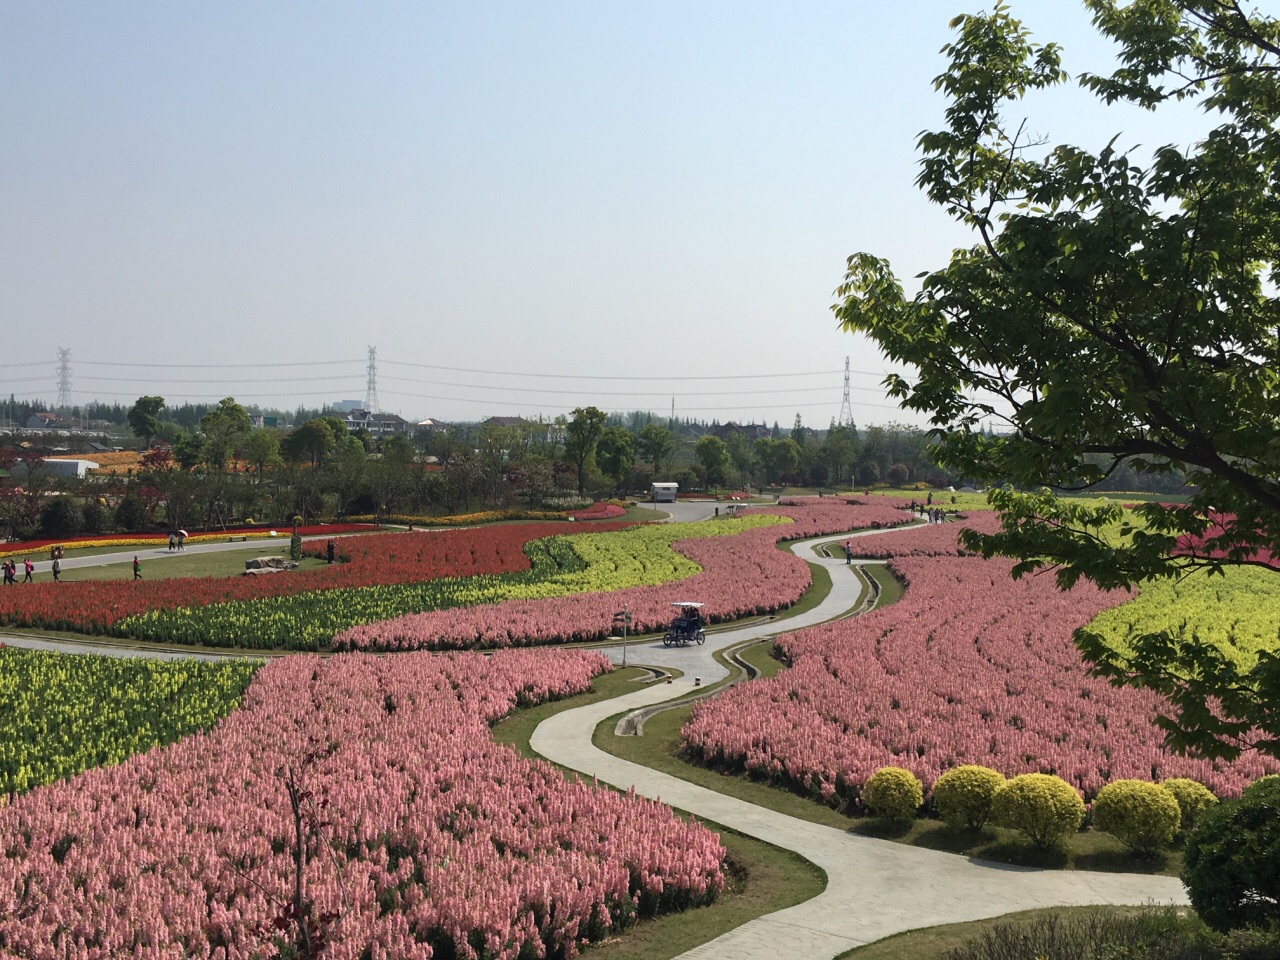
<point x="371" y="390"/>
<point x="64" y="378"/>
<point x="846" y="407"/>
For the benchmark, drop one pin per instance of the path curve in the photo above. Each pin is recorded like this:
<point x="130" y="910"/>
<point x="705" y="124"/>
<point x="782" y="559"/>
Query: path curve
<point x="875" y="888"/>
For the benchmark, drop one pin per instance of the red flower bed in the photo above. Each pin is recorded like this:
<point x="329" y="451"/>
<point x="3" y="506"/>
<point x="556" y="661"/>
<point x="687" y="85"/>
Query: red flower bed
<point x="599" y="511"/>
<point x="741" y="576"/>
<point x="971" y="667"/>
<point x="422" y="834"/>
<point x="93" y="606"/>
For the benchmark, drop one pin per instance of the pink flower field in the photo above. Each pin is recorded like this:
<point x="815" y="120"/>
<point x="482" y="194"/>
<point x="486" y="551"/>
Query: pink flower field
<point x="420" y="835"/>
<point x="742" y="576"/>
<point x="970" y="667"/>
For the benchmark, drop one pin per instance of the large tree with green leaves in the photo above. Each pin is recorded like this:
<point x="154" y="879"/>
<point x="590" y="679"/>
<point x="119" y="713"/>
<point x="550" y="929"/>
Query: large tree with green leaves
<point x="581" y="434"/>
<point x="654" y="445"/>
<point x="144" y="418"/>
<point x="1116" y="307"/>
<point x="713" y="454"/>
<point x="616" y="453"/>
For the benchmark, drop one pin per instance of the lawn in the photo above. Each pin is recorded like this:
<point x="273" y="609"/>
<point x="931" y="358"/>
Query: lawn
<point x="223" y="563"/>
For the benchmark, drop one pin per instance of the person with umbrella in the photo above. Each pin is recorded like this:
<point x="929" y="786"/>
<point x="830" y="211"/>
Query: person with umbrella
<point x="182" y="540"/>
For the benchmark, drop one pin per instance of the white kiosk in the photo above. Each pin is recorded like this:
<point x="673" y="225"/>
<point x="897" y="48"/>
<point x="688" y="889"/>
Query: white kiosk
<point x="664" y="492"/>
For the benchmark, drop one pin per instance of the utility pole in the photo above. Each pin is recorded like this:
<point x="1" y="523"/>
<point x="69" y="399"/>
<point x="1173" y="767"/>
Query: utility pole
<point x="371" y="388"/>
<point x="64" y="378"/>
<point x="846" y="407"/>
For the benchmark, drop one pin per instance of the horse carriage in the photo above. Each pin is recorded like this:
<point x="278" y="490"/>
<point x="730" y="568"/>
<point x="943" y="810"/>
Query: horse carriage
<point x="686" y="627"/>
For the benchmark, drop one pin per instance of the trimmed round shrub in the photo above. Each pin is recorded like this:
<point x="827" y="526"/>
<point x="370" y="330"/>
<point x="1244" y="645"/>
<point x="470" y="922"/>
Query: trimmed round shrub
<point x="1143" y="816"/>
<point x="1044" y="807"/>
<point x="1232" y="860"/>
<point x="963" y="795"/>
<point x="1193" y="797"/>
<point x="893" y="794"/>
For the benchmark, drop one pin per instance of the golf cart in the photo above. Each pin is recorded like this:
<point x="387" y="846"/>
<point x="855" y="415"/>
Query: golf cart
<point x="686" y="628"/>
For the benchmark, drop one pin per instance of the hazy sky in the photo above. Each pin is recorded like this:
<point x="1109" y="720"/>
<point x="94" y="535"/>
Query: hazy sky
<point x="659" y="197"/>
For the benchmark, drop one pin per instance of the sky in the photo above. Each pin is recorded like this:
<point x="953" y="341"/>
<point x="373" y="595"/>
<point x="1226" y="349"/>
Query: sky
<point x="524" y="207"/>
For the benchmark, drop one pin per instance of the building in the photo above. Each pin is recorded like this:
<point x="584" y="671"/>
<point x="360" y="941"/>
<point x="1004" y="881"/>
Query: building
<point x="752" y="431"/>
<point x="66" y="469"/>
<point x="378" y="424"/>
<point x="430" y="425"/>
<point x="47" y="421"/>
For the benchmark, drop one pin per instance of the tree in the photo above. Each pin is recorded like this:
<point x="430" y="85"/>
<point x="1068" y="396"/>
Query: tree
<point x="61" y="517"/>
<point x="313" y="442"/>
<point x="798" y="432"/>
<point x="655" y="444"/>
<point x="1113" y="310"/>
<point x="223" y="426"/>
<point x="740" y="452"/>
<point x="582" y="432"/>
<point x="616" y="453"/>
<point x="713" y="454"/>
<point x="187" y="450"/>
<point x="144" y="419"/>
<point x="839" y="450"/>
<point x="262" y="449"/>
<point x="777" y="457"/>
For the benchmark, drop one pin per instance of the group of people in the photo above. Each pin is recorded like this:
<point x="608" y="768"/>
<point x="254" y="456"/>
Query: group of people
<point x="177" y="540"/>
<point x="11" y="571"/>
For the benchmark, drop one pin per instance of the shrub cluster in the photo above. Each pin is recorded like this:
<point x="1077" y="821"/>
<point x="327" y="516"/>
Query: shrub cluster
<point x="963" y="795"/>
<point x="1143" y="816"/>
<point x="1193" y="797"/>
<point x="893" y="794"/>
<point x="1165" y="934"/>
<point x="1044" y="807"/>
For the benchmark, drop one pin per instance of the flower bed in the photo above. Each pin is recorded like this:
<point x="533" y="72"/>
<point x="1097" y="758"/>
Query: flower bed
<point x="599" y="511"/>
<point x="385" y="559"/>
<point x="63" y="713"/>
<point x="927" y="540"/>
<point x="467" y="519"/>
<point x="422" y="835"/>
<point x="972" y="667"/>
<point x="743" y="575"/>
<point x="606" y="560"/>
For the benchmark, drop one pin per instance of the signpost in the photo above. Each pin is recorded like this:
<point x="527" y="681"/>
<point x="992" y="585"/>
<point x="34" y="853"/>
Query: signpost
<point x="623" y="617"/>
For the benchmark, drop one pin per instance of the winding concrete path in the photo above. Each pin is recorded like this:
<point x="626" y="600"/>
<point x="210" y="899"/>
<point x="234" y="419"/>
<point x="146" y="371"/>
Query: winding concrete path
<point x="875" y="888"/>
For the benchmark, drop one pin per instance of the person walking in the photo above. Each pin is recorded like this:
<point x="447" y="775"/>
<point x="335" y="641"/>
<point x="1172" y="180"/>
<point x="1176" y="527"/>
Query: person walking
<point x="848" y="553"/>
<point x="8" y="576"/>
<point x="29" y="568"/>
<point x="137" y="568"/>
<point x="182" y="540"/>
<point x="57" y="569"/>
<point x="173" y="541"/>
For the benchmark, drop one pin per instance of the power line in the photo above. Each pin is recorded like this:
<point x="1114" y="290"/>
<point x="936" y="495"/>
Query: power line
<point x="613" y="393"/>
<point x="718" y="409"/>
<point x="605" y="376"/>
<point x="155" y="380"/>
<point x="217" y="366"/>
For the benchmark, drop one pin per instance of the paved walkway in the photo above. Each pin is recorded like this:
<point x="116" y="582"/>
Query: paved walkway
<point x="875" y="888"/>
